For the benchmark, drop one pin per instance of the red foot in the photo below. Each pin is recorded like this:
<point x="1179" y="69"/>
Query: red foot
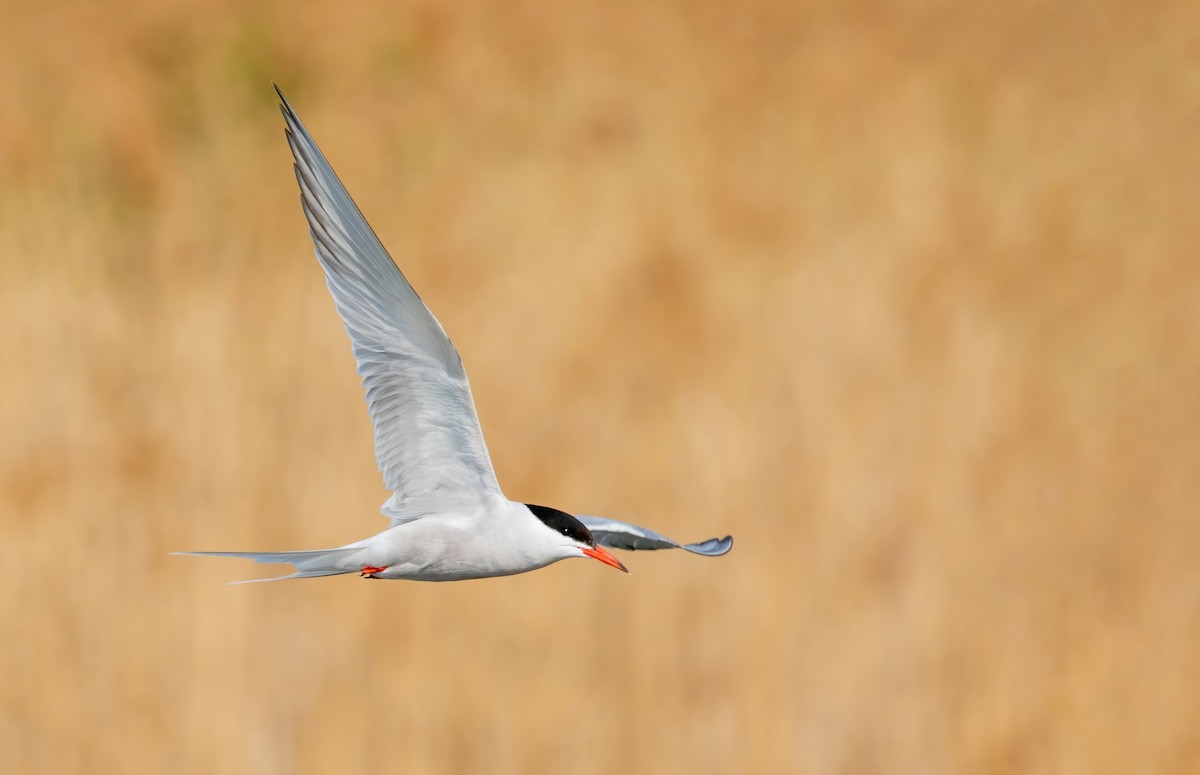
<point x="369" y="570"/>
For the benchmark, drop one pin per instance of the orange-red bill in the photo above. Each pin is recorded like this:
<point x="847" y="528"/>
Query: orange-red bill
<point x="597" y="553"/>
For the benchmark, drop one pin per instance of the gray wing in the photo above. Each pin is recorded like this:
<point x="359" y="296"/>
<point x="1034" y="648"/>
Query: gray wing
<point x="622" y="535"/>
<point x="428" y="442"/>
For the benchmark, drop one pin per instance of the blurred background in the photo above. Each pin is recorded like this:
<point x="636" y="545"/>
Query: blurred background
<point x="904" y="295"/>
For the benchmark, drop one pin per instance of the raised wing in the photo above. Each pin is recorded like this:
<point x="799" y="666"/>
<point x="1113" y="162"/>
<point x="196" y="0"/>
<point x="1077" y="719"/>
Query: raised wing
<point x="622" y="535"/>
<point x="427" y="438"/>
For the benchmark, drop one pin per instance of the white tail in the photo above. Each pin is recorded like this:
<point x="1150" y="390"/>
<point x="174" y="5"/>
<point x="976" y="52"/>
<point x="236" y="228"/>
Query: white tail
<point x="310" y="564"/>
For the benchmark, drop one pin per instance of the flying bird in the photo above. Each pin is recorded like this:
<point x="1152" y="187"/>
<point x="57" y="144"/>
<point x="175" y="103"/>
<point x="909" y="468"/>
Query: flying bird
<point x="449" y="519"/>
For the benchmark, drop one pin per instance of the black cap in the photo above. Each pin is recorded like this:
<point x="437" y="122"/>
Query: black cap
<point x="562" y="522"/>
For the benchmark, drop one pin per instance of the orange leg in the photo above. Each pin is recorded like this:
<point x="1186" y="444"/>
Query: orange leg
<point x="368" y="570"/>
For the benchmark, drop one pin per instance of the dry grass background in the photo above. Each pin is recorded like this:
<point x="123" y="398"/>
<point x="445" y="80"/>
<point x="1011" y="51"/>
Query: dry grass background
<point x="904" y="295"/>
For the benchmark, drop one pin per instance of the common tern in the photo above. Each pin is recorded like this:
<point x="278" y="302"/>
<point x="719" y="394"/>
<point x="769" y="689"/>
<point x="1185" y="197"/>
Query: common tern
<point x="449" y="519"/>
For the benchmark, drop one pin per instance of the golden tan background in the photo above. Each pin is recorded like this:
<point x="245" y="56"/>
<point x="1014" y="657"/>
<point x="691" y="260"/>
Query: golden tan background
<point x="904" y="295"/>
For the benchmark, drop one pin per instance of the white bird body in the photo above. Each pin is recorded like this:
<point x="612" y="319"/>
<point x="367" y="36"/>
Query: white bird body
<point x="497" y="538"/>
<point x="450" y="521"/>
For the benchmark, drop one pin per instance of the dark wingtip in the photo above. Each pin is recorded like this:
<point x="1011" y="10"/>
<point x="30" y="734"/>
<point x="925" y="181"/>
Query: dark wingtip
<point x="713" y="547"/>
<point x="285" y="107"/>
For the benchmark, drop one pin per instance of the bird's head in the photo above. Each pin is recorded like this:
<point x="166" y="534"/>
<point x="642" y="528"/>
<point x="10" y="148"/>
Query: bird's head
<point x="573" y="536"/>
